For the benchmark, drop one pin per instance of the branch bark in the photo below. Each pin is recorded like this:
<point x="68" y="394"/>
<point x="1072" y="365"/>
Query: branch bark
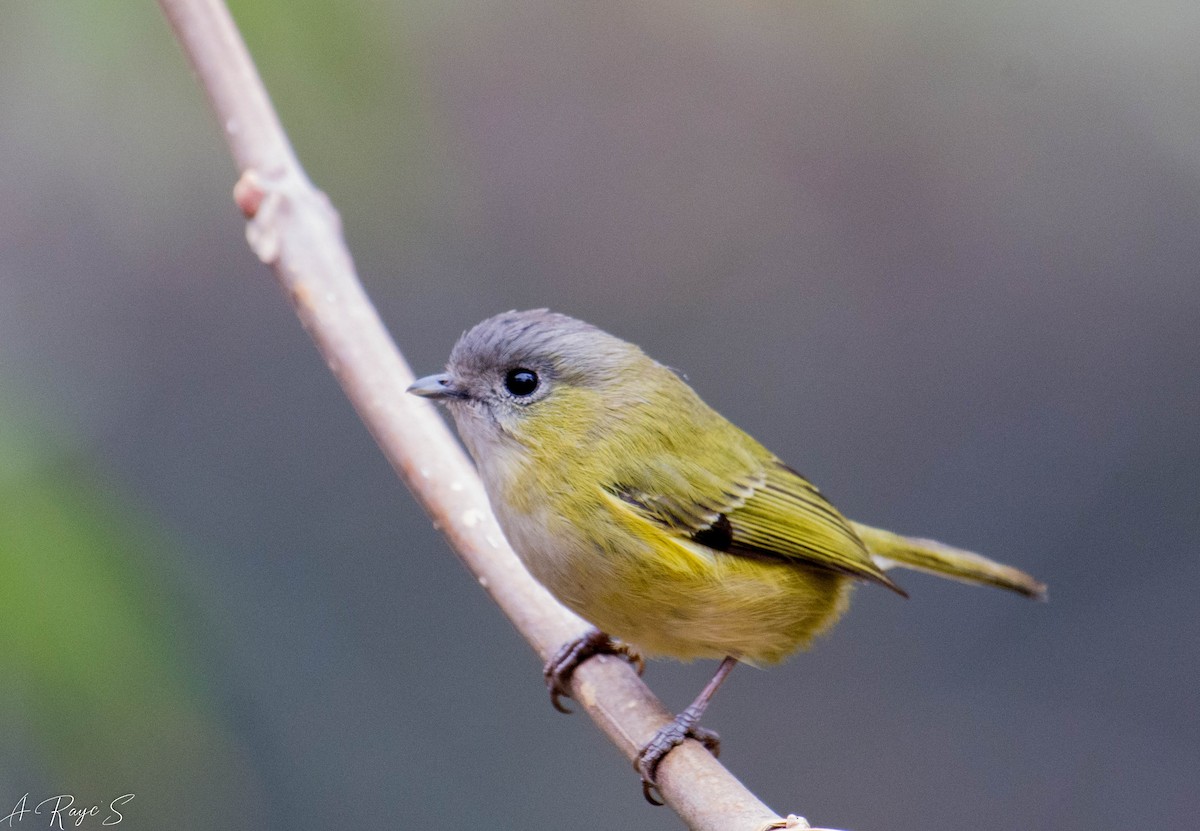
<point x="295" y="230"/>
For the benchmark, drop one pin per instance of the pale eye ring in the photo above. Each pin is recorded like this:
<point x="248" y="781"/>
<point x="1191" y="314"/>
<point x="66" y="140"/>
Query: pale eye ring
<point x="521" y="382"/>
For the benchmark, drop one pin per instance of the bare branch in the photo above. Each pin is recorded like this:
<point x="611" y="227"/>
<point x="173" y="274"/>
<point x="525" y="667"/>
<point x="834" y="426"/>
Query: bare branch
<point x="294" y="229"/>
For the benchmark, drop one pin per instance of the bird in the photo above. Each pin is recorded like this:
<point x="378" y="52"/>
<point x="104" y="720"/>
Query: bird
<point x="665" y="526"/>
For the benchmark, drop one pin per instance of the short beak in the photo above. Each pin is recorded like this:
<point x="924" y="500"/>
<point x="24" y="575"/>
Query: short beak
<point x="436" y="387"/>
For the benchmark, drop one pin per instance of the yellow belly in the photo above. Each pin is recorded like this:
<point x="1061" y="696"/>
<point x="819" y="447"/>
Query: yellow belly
<point x="671" y="597"/>
<point x="759" y="618"/>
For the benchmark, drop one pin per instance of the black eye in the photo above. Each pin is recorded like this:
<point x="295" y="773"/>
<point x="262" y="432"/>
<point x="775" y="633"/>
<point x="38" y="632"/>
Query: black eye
<point x="521" y="381"/>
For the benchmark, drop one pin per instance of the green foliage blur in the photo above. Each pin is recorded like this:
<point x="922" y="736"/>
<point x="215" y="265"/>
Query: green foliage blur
<point x="100" y="685"/>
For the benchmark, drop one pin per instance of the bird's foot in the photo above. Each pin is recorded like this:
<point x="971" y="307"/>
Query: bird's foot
<point x="666" y="739"/>
<point x="562" y="665"/>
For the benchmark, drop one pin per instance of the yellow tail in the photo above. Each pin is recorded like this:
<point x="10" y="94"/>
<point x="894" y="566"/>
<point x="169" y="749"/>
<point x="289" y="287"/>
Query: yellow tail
<point x="888" y="549"/>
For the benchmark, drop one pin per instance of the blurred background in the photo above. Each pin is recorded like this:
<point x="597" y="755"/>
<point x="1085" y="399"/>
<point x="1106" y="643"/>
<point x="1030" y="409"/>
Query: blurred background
<point x="942" y="257"/>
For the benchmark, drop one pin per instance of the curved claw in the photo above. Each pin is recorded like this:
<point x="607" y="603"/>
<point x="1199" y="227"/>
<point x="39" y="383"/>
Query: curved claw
<point x="556" y="701"/>
<point x="652" y="794"/>
<point x="558" y="670"/>
<point x="635" y="659"/>
<point x="708" y="738"/>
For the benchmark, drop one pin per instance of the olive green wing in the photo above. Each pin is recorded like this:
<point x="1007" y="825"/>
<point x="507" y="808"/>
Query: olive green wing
<point x="769" y="511"/>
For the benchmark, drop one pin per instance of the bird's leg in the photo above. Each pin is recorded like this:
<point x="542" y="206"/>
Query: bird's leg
<point x="685" y="725"/>
<point x="562" y="664"/>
